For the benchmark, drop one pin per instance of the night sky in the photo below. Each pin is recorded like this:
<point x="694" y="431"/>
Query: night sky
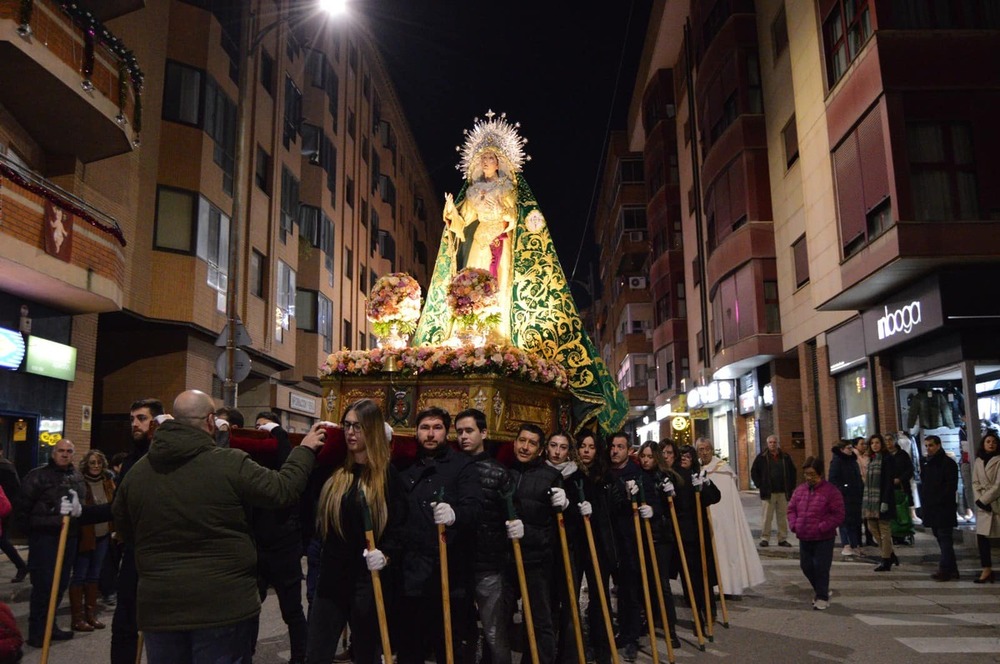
<point x="552" y="66"/>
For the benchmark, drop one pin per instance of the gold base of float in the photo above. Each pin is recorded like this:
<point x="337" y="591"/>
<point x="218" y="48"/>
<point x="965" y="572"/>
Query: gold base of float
<point x="507" y="402"/>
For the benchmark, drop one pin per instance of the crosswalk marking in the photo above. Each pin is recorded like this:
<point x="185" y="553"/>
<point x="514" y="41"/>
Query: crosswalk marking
<point x="952" y="644"/>
<point x="928" y="620"/>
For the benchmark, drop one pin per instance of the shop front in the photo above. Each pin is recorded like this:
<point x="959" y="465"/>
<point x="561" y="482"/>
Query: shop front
<point x="713" y="409"/>
<point x="938" y="340"/>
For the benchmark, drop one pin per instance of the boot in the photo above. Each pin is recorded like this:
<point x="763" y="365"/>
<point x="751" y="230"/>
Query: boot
<point x="885" y="565"/>
<point x="79" y="622"/>
<point x="91" y="606"/>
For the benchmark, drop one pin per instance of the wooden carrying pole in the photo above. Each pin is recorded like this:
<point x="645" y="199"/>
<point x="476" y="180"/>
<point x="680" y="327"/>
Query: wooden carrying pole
<point x="687" y="574"/>
<point x="659" y="588"/>
<point x="383" y="623"/>
<point x="54" y="595"/>
<point x="449" y="649"/>
<point x="523" y="583"/>
<point x="596" y="565"/>
<point x="571" y="590"/>
<point x="645" y="580"/>
<point x="709" y="620"/>
<point x="718" y="572"/>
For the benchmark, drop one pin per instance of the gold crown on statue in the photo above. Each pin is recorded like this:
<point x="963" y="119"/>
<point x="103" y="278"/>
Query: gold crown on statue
<point x="494" y="133"/>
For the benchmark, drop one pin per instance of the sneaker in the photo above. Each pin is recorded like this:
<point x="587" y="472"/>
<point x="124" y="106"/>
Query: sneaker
<point x="631" y="651"/>
<point x="821" y="604"/>
<point x="764" y="544"/>
<point x="21" y="575"/>
<point x="848" y="551"/>
<point x="784" y="543"/>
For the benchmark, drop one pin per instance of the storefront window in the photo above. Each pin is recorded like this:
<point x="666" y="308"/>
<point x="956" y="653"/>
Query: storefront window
<point x="854" y="395"/>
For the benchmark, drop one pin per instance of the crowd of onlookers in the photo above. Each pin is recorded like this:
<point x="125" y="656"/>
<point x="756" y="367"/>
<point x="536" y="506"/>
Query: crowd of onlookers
<point x="431" y="552"/>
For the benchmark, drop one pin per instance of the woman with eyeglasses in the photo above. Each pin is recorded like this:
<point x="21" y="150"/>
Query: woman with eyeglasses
<point x="92" y="545"/>
<point x="345" y="593"/>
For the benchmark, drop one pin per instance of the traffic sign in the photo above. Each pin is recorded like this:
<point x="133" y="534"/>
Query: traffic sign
<point x="241" y="365"/>
<point x="242" y="337"/>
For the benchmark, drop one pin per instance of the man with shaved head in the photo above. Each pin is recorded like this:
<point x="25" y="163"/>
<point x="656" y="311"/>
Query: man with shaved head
<point x="183" y="508"/>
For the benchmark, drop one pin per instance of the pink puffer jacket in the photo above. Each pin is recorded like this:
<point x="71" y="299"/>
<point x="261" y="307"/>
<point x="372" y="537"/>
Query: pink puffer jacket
<point x="815" y="512"/>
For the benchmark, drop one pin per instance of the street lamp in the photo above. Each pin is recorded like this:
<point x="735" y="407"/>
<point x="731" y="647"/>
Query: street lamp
<point x="250" y="39"/>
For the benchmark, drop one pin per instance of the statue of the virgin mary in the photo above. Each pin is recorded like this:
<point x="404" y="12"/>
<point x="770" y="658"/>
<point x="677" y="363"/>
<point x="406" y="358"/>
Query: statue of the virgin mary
<point x="495" y="224"/>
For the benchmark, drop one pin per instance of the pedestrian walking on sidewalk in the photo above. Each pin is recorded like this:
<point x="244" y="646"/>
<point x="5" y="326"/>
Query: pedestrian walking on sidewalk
<point x="879" y="503"/>
<point x="815" y="512"/>
<point x="986" y="486"/>
<point x="938" y="490"/>
<point x="846" y="476"/>
<point x="10" y="483"/>
<point x="773" y="473"/>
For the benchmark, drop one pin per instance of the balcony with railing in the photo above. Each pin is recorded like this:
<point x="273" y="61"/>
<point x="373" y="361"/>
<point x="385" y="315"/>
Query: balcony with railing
<point x="55" y="248"/>
<point x="67" y="80"/>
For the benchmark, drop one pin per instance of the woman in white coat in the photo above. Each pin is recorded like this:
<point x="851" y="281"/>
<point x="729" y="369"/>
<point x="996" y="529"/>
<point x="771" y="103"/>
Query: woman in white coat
<point x="986" y="488"/>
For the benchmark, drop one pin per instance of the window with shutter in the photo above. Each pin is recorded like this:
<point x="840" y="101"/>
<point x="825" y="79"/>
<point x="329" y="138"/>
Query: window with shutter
<point x="800" y="256"/>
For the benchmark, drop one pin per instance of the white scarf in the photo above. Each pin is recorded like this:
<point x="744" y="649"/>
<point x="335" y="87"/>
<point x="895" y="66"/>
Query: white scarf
<point x="567" y="468"/>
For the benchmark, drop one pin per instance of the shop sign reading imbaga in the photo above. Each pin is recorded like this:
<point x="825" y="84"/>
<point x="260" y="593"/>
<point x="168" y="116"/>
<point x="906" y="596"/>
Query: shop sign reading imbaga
<point x="906" y="315"/>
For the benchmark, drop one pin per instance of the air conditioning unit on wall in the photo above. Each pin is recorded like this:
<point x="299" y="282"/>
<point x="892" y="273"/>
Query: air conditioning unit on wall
<point x="637" y="283"/>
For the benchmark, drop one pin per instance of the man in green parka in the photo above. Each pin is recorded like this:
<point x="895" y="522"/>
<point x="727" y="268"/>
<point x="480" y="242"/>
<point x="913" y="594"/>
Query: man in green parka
<point x="183" y="508"/>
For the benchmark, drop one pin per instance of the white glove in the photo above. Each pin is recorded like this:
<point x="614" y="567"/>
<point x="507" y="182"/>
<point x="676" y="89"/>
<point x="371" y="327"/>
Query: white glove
<point x="667" y="487"/>
<point x="515" y="529"/>
<point x="558" y="498"/>
<point x="70" y="506"/>
<point x="645" y="511"/>
<point x="586" y="509"/>
<point x="705" y="479"/>
<point x="388" y="431"/>
<point x="375" y="560"/>
<point x="443" y="514"/>
<point x="883" y="507"/>
<point x="632" y="486"/>
<point x="221" y="424"/>
<point x="267" y="427"/>
<point x="697" y="481"/>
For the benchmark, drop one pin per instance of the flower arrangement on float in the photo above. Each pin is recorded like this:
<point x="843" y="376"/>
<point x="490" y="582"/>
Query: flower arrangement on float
<point x="472" y="297"/>
<point x="489" y="358"/>
<point x="393" y="309"/>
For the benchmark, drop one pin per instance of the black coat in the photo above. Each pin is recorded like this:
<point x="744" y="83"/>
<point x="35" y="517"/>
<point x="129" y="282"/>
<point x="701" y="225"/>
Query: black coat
<point x="456" y="474"/>
<point x="532" y="485"/>
<point x="278" y="529"/>
<point x="609" y="500"/>
<point x="492" y="547"/>
<point x="661" y="524"/>
<point x="623" y="523"/>
<point x="342" y="564"/>
<point x="760" y="473"/>
<point x="902" y="466"/>
<point x="686" y="506"/>
<point x="845" y="474"/>
<point x="938" y="487"/>
<point x="42" y="492"/>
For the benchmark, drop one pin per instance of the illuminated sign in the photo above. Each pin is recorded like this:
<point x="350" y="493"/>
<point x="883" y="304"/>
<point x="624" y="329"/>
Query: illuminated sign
<point x="48" y="358"/>
<point x="706" y="395"/>
<point x="768" y="395"/>
<point x="11" y="349"/>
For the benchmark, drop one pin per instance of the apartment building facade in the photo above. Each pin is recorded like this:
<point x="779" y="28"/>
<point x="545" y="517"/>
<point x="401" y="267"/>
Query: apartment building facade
<point x="834" y="160"/>
<point x="337" y="196"/>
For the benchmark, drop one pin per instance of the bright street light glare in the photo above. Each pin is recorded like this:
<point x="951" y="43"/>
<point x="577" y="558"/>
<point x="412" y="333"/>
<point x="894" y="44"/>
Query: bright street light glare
<point x="333" y="7"/>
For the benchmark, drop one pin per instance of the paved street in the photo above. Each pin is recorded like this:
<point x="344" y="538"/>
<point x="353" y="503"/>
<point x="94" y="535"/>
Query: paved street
<point x="899" y="617"/>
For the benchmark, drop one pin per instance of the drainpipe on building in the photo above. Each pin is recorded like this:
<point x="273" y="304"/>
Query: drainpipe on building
<point x="696" y="185"/>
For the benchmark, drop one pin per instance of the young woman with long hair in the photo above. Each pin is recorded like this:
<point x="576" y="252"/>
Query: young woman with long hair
<point x="344" y="594"/>
<point x="657" y="475"/>
<point x="879" y="501"/>
<point x="986" y="487"/>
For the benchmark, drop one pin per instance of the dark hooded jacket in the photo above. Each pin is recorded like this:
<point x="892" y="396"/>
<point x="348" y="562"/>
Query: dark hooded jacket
<point x="183" y="508"/>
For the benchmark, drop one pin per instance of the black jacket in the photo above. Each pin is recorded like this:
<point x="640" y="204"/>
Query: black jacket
<point x="686" y="506"/>
<point x="938" y="487"/>
<point x="278" y="529"/>
<point x="533" y="504"/>
<point x="342" y="564"/>
<point x="902" y="466"/>
<point x="623" y="523"/>
<point x="845" y="474"/>
<point x="457" y="475"/>
<point x="609" y="500"/>
<point x="760" y="473"/>
<point x="661" y="524"/>
<point x="42" y="492"/>
<point x="492" y="548"/>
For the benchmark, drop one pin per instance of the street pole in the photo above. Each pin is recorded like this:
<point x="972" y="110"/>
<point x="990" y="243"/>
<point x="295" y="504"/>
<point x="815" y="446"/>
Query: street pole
<point x="229" y="386"/>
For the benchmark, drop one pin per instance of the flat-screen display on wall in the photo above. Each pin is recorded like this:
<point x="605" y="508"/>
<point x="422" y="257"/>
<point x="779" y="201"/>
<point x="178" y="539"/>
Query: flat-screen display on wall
<point x="48" y="358"/>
